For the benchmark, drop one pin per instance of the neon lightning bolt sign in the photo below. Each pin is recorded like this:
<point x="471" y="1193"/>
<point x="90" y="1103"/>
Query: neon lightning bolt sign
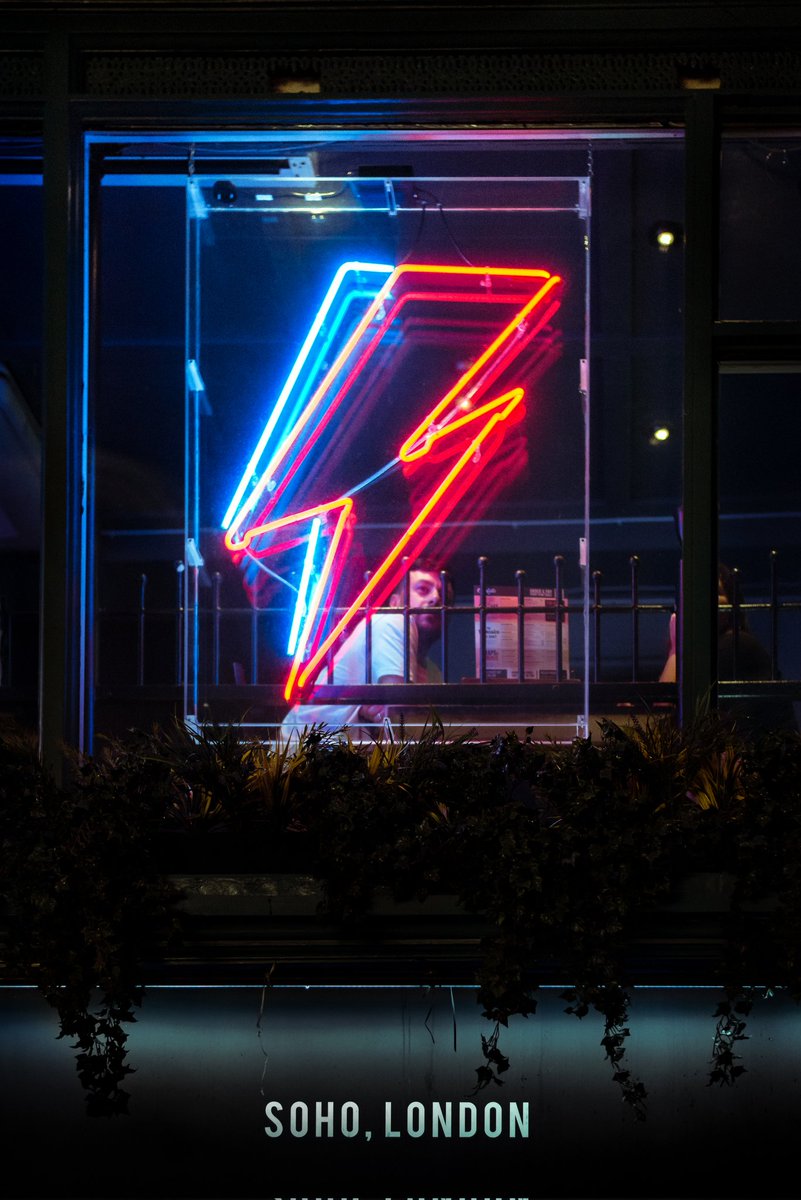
<point x="264" y="515"/>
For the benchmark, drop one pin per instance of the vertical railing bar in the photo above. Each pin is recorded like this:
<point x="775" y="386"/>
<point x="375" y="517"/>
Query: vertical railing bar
<point x="443" y="624"/>
<point x="12" y="625"/>
<point x="558" y="563"/>
<point x="5" y="636"/>
<point x="634" y="563"/>
<point x="179" y="622"/>
<point x="774" y="615"/>
<point x="9" y="640"/>
<point x="215" y="629"/>
<point x="407" y="627"/>
<point x="98" y="626"/>
<point x="482" y="619"/>
<point x="11" y="659"/>
<point x="735" y="616"/>
<point x="254" y="643"/>
<point x="596" y="609"/>
<point x="140" y="632"/>
<point x="520" y="578"/>
<point x="368" y="637"/>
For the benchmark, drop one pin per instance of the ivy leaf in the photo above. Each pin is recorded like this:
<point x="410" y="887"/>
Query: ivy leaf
<point x="485" y="1076"/>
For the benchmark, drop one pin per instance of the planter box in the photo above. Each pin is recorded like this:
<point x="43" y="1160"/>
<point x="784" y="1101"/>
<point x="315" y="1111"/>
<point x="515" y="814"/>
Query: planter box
<point x="257" y="851"/>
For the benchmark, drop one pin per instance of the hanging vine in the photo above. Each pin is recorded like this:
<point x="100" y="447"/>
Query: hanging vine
<point x="556" y="849"/>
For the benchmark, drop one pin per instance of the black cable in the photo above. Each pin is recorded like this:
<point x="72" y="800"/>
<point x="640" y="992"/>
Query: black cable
<point x="449" y="232"/>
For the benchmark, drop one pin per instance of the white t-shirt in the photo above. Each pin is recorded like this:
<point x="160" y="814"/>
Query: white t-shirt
<point x="349" y="668"/>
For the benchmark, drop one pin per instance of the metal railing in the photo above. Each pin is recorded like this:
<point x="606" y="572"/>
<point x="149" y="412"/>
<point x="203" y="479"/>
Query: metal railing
<point x="560" y="606"/>
<point x="144" y="644"/>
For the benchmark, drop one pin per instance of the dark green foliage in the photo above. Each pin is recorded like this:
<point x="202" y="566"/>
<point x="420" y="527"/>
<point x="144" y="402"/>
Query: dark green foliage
<point x="85" y="902"/>
<point x="561" y="847"/>
<point x="557" y="850"/>
<point x="496" y="1062"/>
<point x="730" y="1030"/>
<point x="206" y="772"/>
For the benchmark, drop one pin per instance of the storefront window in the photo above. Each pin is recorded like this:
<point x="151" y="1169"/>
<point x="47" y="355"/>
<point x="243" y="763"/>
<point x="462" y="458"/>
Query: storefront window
<point x="344" y="400"/>
<point x="760" y="501"/>
<point x="20" y="423"/>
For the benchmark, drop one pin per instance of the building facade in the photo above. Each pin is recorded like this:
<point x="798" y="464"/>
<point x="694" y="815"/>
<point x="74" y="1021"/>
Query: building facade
<point x="680" y="457"/>
<point x="294" y="294"/>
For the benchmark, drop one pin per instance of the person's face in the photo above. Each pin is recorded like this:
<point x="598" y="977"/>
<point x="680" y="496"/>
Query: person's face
<point x="425" y="591"/>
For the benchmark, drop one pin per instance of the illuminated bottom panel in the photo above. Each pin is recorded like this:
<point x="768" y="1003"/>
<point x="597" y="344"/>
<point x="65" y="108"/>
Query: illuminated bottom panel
<point x="370" y="1093"/>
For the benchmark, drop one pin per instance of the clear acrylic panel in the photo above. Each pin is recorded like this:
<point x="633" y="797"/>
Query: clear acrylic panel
<point x="386" y="361"/>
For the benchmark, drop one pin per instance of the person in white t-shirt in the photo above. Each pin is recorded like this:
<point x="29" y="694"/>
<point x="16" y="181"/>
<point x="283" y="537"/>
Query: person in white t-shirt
<point x="387" y="659"/>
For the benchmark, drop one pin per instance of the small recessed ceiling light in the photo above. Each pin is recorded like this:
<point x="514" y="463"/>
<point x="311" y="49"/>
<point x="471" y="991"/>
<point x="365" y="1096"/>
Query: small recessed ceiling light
<point x="660" y="434"/>
<point x="666" y="234"/>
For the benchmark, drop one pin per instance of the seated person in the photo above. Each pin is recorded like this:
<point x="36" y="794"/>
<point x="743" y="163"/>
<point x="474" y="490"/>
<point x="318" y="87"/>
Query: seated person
<point x="745" y="658"/>
<point x="387" y="633"/>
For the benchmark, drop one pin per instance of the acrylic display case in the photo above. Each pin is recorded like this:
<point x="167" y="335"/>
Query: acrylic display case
<point x="310" y="357"/>
<point x="387" y="362"/>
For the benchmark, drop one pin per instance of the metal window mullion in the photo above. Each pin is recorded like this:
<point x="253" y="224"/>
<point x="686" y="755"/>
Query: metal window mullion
<point x="63" y="550"/>
<point x="697" y="656"/>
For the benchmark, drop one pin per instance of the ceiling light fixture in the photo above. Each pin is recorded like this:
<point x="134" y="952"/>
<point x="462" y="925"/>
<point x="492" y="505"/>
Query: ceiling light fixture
<point x="667" y="234"/>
